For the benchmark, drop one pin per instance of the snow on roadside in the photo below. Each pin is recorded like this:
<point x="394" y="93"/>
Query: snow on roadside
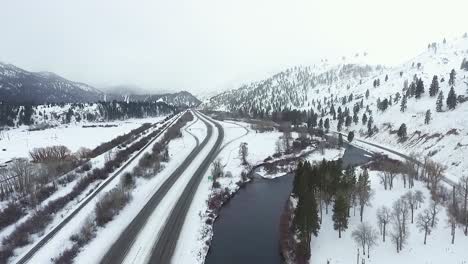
<point x="96" y="162"/>
<point x="61" y="238"/>
<point x="179" y="149"/>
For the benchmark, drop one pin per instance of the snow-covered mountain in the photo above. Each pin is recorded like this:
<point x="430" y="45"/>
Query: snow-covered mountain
<point x="21" y="86"/>
<point x="378" y="92"/>
<point x="18" y="85"/>
<point x="294" y="88"/>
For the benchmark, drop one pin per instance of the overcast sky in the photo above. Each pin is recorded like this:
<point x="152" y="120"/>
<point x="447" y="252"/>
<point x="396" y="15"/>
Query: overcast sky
<point x="205" y="45"/>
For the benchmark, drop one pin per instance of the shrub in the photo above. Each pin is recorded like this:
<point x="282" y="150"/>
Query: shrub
<point x="127" y="181"/>
<point x="10" y="214"/>
<point x="45" y="192"/>
<point x="48" y="154"/>
<point x="216" y="185"/>
<point x="87" y="232"/>
<point x="67" y="256"/>
<point x="110" y="204"/>
<point x="85" y="167"/>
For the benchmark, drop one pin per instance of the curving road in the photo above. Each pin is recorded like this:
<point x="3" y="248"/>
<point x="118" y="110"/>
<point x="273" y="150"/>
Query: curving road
<point x="169" y="233"/>
<point x="167" y="241"/>
<point x="26" y="257"/>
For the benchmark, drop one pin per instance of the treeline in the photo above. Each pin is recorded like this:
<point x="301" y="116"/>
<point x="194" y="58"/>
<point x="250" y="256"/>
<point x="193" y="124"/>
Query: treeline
<point x="318" y="186"/>
<point x="29" y="114"/>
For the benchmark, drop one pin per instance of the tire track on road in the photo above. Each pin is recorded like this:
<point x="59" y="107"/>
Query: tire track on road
<point x="120" y="248"/>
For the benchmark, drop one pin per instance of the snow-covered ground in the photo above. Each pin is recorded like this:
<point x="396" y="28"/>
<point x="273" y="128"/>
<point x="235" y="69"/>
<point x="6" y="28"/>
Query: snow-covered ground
<point x="61" y="239"/>
<point x="17" y="142"/>
<point x="328" y="247"/>
<point x="191" y="247"/>
<point x="444" y="139"/>
<point x="179" y="149"/>
<point x="142" y="247"/>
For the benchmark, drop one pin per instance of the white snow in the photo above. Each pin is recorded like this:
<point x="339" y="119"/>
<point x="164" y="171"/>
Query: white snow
<point x="328" y="247"/>
<point x="61" y="239"/>
<point x="179" y="149"/>
<point x="18" y="142"/>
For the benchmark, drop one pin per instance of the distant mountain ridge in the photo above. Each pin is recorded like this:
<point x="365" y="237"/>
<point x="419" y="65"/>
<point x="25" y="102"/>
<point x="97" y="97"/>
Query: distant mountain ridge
<point x="183" y="98"/>
<point x="21" y="86"/>
<point x="18" y="85"/>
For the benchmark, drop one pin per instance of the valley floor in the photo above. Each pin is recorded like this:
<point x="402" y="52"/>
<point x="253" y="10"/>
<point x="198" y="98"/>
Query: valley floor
<point x="17" y="142"/>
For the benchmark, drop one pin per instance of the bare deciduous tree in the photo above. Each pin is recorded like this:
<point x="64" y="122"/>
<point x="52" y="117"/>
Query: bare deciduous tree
<point x="400" y="217"/>
<point x="434" y="207"/>
<point x="434" y="173"/>
<point x="384" y="179"/>
<point x="365" y="235"/>
<point x="463" y="194"/>
<point x="278" y="146"/>
<point x="423" y="222"/>
<point x="243" y="152"/>
<point x="419" y="197"/>
<point x="217" y="170"/>
<point x="413" y="199"/>
<point x="23" y="173"/>
<point x="384" y="215"/>
<point x="48" y="154"/>
<point x="452" y="223"/>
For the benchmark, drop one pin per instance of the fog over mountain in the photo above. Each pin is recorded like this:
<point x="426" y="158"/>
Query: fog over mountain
<point x="208" y="45"/>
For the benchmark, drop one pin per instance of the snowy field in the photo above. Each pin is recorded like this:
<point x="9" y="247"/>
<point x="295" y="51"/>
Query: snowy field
<point x="437" y="250"/>
<point x="18" y="142"/>
<point x="61" y="240"/>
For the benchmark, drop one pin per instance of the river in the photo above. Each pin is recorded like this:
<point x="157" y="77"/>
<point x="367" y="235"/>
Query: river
<point x="247" y="229"/>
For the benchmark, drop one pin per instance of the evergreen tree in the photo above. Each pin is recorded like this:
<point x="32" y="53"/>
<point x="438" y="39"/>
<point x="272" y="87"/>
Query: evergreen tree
<point x="339" y="124"/>
<point x="402" y="131"/>
<point x="370" y="122"/>
<point x="386" y="77"/>
<point x="403" y="104"/>
<point x="355" y="118"/>
<point x="364" y="119"/>
<point x="363" y="191"/>
<point x="327" y="124"/>
<point x="452" y="77"/>
<point x="367" y="93"/>
<point x="320" y="124"/>
<point x="332" y="111"/>
<point x="464" y="65"/>
<point x="350" y="136"/>
<point x="419" y="88"/>
<point x="427" y="119"/>
<point x="452" y="99"/>
<point x="412" y="90"/>
<point x="440" y="102"/>
<point x="434" y="88"/>
<point x="340" y="140"/>
<point x="348" y="121"/>
<point x="340" y="214"/>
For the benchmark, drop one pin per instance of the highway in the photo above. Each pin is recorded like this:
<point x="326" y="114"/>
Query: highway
<point x="168" y="235"/>
<point x="43" y="241"/>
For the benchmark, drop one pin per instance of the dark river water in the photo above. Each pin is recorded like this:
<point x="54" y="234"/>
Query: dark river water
<point x="247" y="229"/>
